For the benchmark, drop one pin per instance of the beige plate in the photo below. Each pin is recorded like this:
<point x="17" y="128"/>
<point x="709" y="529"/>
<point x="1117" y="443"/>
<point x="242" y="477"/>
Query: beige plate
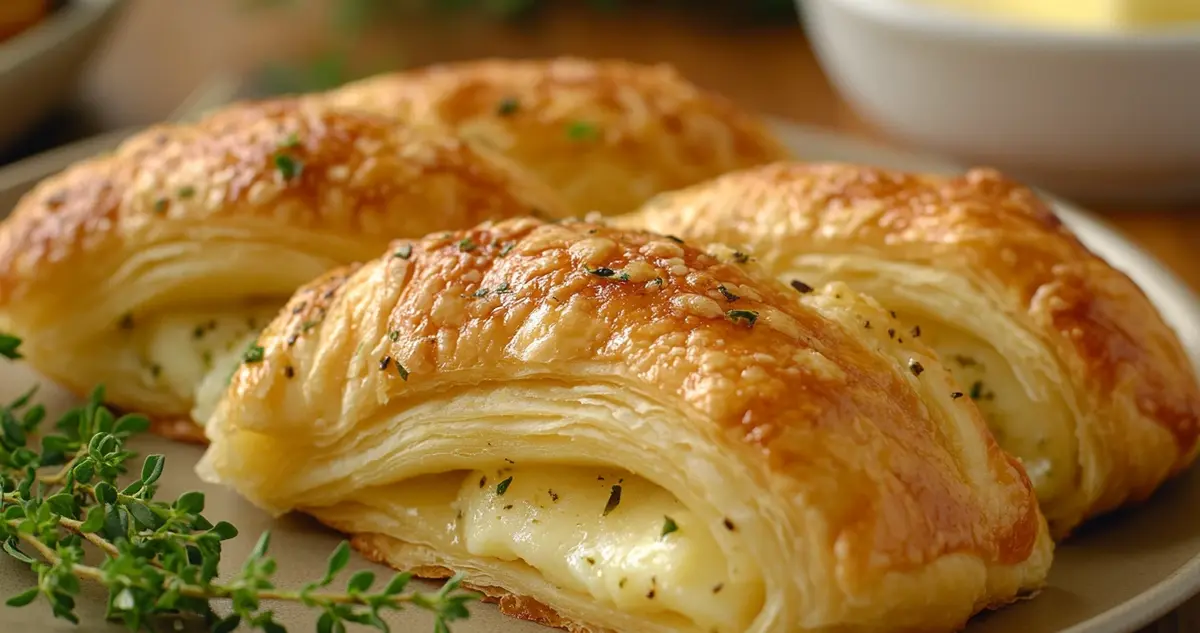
<point x="1113" y="577"/>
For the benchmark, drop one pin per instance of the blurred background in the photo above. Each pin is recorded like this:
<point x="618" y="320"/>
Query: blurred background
<point x="1099" y="103"/>
<point x="158" y="52"/>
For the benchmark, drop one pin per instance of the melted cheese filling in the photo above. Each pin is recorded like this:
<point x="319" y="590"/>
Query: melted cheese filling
<point x="603" y="535"/>
<point x="1046" y="448"/>
<point x="616" y="538"/>
<point x="193" y="354"/>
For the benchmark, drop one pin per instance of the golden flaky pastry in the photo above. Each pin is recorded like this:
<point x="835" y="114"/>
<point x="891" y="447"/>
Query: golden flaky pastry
<point x="1073" y="367"/>
<point x="616" y="432"/>
<point x="607" y="134"/>
<point x="151" y="268"/>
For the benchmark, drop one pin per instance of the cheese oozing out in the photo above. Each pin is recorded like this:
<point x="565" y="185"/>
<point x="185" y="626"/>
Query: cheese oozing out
<point x="193" y="353"/>
<point x="614" y="536"/>
<point x="603" y="534"/>
<point x="1045" y="447"/>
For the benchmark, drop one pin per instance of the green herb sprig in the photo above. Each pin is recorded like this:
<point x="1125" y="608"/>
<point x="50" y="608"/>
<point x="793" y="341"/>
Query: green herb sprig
<point x="161" y="559"/>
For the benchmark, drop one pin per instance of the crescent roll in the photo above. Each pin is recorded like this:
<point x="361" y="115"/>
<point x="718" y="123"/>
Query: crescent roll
<point x="1075" y="370"/>
<point x="616" y="432"/>
<point x="608" y="135"/>
<point x="150" y="269"/>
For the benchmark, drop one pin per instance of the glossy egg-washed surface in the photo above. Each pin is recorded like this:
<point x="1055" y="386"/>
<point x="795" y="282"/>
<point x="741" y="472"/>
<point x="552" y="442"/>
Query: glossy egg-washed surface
<point x="1135" y="396"/>
<point x="607" y="134"/>
<point x="840" y="419"/>
<point x="247" y="204"/>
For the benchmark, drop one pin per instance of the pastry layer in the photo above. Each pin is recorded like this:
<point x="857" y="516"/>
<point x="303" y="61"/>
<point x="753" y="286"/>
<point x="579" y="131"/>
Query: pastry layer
<point x="244" y="205"/>
<point x="605" y="134"/>
<point x="1098" y="397"/>
<point x="827" y="462"/>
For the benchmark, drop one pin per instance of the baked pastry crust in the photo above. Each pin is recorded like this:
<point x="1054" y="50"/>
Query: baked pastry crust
<point x="236" y="210"/>
<point x="1093" y="359"/>
<point x="608" y="134"/>
<point x="389" y="551"/>
<point x="830" y="456"/>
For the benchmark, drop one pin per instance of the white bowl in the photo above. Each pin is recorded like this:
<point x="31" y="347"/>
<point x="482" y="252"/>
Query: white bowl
<point x="1097" y="115"/>
<point x="39" y="66"/>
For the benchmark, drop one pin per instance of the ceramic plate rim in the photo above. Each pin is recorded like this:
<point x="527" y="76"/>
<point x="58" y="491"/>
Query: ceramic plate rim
<point x="1167" y="291"/>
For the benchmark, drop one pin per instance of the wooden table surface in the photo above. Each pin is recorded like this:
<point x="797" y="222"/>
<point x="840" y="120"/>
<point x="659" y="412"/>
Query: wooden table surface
<point x="163" y="50"/>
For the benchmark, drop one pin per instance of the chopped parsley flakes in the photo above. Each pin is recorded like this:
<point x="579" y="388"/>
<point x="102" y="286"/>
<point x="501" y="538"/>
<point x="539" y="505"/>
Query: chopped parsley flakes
<point x="507" y="106"/>
<point x="253" y="354"/>
<point x="582" y="131"/>
<point x="289" y="167"/>
<point x="614" y="499"/>
<point x="746" y="316"/>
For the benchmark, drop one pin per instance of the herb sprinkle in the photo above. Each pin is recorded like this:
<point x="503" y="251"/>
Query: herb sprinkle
<point x="289" y="167"/>
<point x="748" y="316"/>
<point x="614" y="499"/>
<point x="801" y="287"/>
<point x="253" y="354"/>
<point x="507" y="106"/>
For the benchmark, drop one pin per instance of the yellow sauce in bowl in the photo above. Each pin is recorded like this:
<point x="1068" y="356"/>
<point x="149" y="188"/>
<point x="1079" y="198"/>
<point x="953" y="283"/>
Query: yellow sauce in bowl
<point x="1092" y="15"/>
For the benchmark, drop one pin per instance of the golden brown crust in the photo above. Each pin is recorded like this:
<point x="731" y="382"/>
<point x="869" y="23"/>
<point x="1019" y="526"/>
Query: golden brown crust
<point x="608" y="134"/>
<point x="354" y="176"/>
<point x="374" y="548"/>
<point x="180" y="430"/>
<point x="239" y="208"/>
<point x="510" y="604"/>
<point x="781" y="391"/>
<point x="1125" y="366"/>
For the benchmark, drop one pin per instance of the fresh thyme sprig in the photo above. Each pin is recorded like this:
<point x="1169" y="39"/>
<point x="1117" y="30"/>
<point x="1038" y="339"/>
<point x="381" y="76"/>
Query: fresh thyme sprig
<point x="160" y="558"/>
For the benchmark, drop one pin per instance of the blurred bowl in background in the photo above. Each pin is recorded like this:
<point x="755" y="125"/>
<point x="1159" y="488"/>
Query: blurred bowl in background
<point x="39" y="66"/>
<point x="1099" y="115"/>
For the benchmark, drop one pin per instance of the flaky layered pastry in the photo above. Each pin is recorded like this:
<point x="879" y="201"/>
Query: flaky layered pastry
<point x="611" y="431"/>
<point x="1074" y="369"/>
<point x="150" y="269"/>
<point x="607" y="134"/>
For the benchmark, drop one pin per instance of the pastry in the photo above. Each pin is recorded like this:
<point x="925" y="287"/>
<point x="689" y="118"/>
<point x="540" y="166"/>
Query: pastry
<point x="1073" y="367"/>
<point x="151" y="268"/>
<point x="607" y="134"/>
<point x="614" y="431"/>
